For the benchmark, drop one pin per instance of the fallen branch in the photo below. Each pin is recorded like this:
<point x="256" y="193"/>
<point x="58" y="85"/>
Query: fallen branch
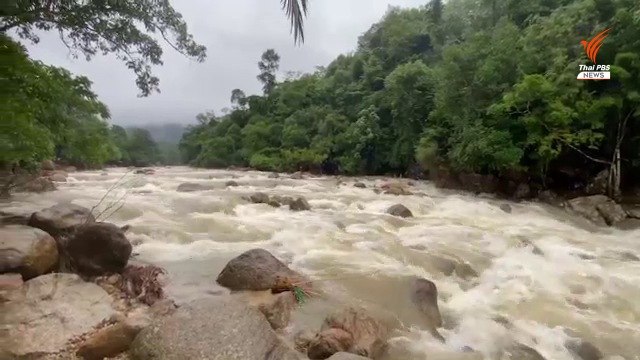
<point x="113" y="187"/>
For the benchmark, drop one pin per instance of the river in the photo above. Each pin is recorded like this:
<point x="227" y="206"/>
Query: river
<point x="578" y="279"/>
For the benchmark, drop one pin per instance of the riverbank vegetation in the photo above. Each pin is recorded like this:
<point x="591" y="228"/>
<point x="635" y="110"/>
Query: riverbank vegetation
<point x="451" y="89"/>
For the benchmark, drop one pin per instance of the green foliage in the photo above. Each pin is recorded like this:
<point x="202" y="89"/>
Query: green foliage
<point x="471" y="86"/>
<point x="124" y="28"/>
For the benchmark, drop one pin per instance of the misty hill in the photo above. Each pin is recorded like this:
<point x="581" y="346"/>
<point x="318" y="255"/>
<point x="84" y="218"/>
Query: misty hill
<point x="165" y="133"/>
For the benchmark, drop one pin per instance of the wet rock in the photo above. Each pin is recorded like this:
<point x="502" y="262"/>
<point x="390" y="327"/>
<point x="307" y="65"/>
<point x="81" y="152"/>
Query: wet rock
<point x="397" y="191"/>
<point x="425" y="296"/>
<point x="58" y="178"/>
<point x="347" y="356"/>
<point x="329" y="342"/>
<point x="377" y="191"/>
<point x="633" y="212"/>
<point x="48" y="165"/>
<point x="145" y="171"/>
<point x="10" y="281"/>
<point x="278" y="311"/>
<point x="259" y="198"/>
<point x="629" y="256"/>
<point x="465" y="271"/>
<point x="51" y="310"/>
<point x="399" y="210"/>
<point x="519" y="351"/>
<point x="549" y="197"/>
<point x="506" y="208"/>
<point x="274" y="175"/>
<point x="282" y="200"/>
<point x="273" y="203"/>
<point x="26" y="250"/>
<point x="527" y="243"/>
<point x="38" y="185"/>
<point x="477" y="183"/>
<point x="254" y="269"/>
<point x="61" y="219"/>
<point x="220" y="329"/>
<point x="359" y="184"/>
<point x="523" y="191"/>
<point x="299" y="204"/>
<point x="297" y="175"/>
<point x="108" y="342"/>
<point x="13" y="219"/>
<point x="230" y="183"/>
<point x="583" y="350"/>
<point x="628" y="224"/>
<point x="191" y="187"/>
<point x="98" y="248"/>
<point x="302" y="339"/>
<point x="351" y="331"/>
<point x="598" y="185"/>
<point x="598" y="209"/>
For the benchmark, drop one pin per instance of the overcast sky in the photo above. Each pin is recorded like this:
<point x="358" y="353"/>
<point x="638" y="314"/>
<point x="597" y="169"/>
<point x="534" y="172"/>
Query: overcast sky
<point x="235" y="32"/>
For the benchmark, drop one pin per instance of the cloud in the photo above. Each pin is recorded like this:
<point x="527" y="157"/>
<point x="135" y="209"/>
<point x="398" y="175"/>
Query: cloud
<point x="235" y="34"/>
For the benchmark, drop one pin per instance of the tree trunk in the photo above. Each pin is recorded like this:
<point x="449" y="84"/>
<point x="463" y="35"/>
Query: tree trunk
<point x="615" y="175"/>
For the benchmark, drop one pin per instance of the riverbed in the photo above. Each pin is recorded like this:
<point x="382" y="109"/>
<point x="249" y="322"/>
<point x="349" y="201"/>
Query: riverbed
<point x="551" y="275"/>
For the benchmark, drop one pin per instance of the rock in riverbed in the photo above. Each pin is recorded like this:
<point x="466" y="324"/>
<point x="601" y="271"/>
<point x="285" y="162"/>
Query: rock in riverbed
<point x="61" y="219"/>
<point x="599" y="209"/>
<point x="98" y="248"/>
<point x="425" y="297"/>
<point x="254" y="269"/>
<point x="351" y="331"/>
<point x="51" y="310"/>
<point x="190" y="187"/>
<point x="299" y="204"/>
<point x="26" y="250"/>
<point x="220" y="329"/>
<point x="400" y="210"/>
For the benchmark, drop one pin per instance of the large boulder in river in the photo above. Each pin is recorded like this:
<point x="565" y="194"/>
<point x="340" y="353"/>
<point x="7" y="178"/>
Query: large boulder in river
<point x="299" y="204"/>
<point x="190" y="187"/>
<point x="26" y="250"/>
<point x="399" y="210"/>
<point x="61" y="219"/>
<point x="38" y="185"/>
<point x="255" y="269"/>
<point x="220" y="329"/>
<point x="259" y="198"/>
<point x="349" y="330"/>
<point x="425" y="296"/>
<point x="47" y="165"/>
<point x="98" y="248"/>
<point x="49" y="311"/>
<point x="599" y="209"/>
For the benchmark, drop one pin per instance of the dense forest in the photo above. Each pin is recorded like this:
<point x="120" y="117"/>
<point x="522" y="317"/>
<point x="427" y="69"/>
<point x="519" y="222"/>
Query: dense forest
<point x="480" y="87"/>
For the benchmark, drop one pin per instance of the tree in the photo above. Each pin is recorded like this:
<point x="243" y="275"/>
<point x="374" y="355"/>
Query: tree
<point x="238" y="97"/>
<point x="296" y="11"/>
<point x="268" y="65"/>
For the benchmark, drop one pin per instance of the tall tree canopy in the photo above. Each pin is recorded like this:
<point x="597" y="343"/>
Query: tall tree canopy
<point x="456" y="87"/>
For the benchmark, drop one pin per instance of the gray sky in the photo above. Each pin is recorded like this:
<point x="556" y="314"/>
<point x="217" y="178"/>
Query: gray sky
<point x="235" y="32"/>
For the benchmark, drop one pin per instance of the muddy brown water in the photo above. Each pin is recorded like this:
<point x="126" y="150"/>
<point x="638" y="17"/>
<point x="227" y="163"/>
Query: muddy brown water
<point x="581" y="280"/>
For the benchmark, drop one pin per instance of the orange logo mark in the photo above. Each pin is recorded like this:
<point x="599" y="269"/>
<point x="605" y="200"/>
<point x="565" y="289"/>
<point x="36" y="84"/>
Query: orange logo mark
<point x="591" y="47"/>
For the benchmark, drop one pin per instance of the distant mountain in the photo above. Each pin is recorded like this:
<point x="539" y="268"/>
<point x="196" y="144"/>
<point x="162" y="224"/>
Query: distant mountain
<point x="165" y="133"/>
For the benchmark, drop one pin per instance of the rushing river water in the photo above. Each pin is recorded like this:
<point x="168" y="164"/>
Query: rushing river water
<point x="551" y="275"/>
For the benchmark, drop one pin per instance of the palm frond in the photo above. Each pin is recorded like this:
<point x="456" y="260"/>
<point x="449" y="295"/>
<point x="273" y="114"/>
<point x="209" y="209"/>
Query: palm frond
<point x="296" y="12"/>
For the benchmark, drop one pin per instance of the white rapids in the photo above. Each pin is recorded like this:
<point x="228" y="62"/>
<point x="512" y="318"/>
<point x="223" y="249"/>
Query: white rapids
<point x="580" y="281"/>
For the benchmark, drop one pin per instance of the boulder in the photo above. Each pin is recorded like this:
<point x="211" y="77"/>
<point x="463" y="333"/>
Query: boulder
<point x="506" y="208"/>
<point x="518" y="351"/>
<point x="465" y="271"/>
<point x="7" y="218"/>
<point x="598" y="209"/>
<point x="259" y="198"/>
<point x="425" y="296"/>
<point x="230" y="183"/>
<point x="26" y="250"/>
<point x="220" y="329"/>
<point x="299" y="204"/>
<point x="549" y="197"/>
<point x="583" y="350"/>
<point x="58" y="178"/>
<point x="351" y="331"/>
<point x="274" y="175"/>
<point x="297" y="175"/>
<point x="399" y="210"/>
<point x="598" y="185"/>
<point x="145" y="171"/>
<point x="98" y="248"/>
<point x="283" y="200"/>
<point x="39" y="185"/>
<point x="255" y="269"/>
<point x="523" y="191"/>
<point x="50" y="311"/>
<point x="278" y="310"/>
<point x="633" y="212"/>
<point x="478" y="183"/>
<point x="109" y="341"/>
<point x="273" y="203"/>
<point x="360" y="185"/>
<point x="61" y="219"/>
<point x="190" y="187"/>
<point x="48" y="165"/>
